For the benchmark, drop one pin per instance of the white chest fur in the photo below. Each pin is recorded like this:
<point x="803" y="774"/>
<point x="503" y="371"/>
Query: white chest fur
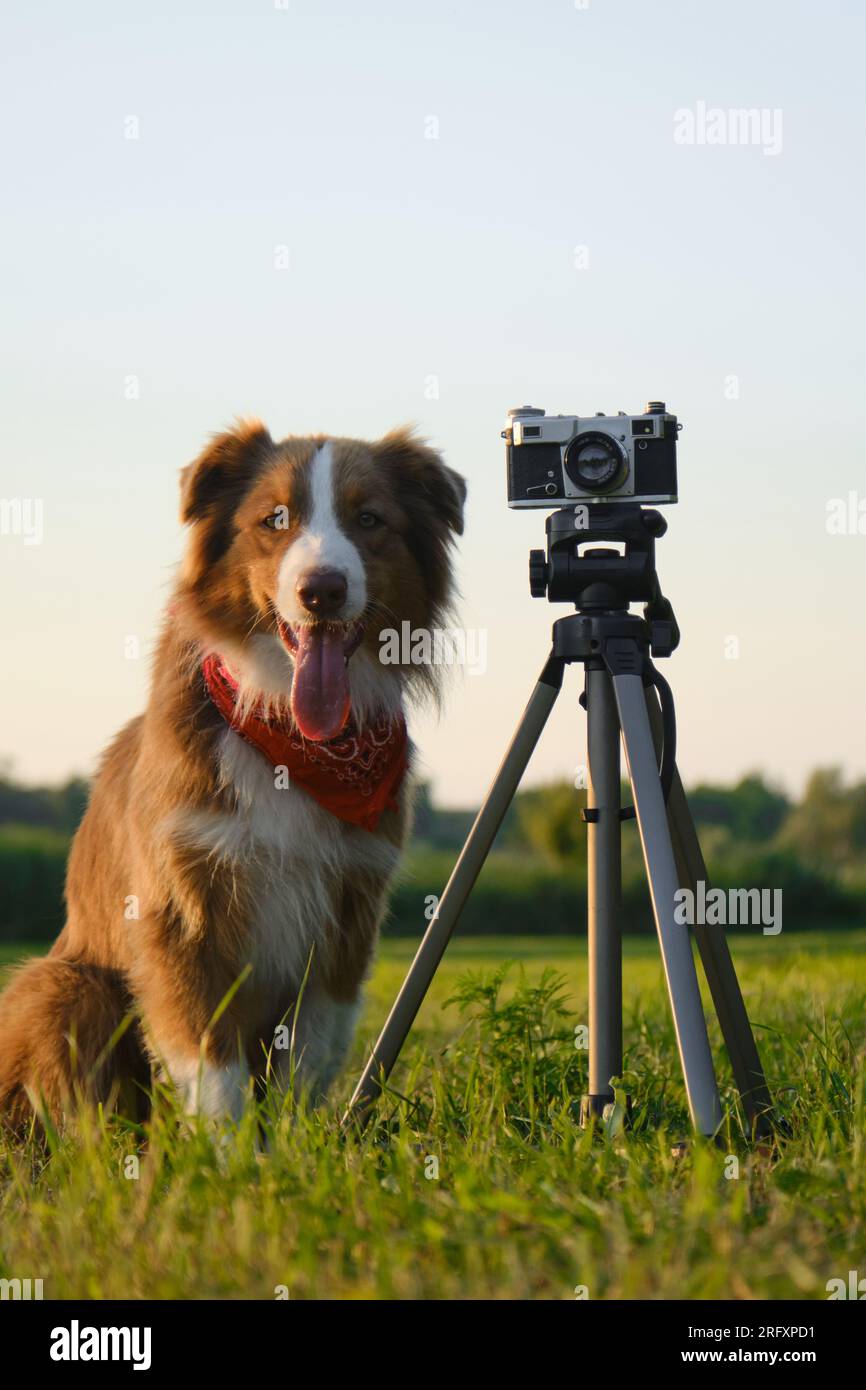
<point x="290" y="857"/>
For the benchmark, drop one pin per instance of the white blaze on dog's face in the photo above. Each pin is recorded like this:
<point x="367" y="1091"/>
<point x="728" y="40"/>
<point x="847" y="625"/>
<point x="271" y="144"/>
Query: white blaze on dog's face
<point x="321" y="546"/>
<point x="302" y="552"/>
<point x="320" y="603"/>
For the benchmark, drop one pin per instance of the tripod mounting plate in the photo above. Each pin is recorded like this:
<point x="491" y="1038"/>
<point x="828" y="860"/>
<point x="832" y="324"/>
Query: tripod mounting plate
<point x="599" y="577"/>
<point x="603" y="581"/>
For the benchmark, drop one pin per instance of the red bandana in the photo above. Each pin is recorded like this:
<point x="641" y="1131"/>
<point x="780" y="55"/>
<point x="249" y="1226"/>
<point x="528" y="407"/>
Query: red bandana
<point x="355" y="776"/>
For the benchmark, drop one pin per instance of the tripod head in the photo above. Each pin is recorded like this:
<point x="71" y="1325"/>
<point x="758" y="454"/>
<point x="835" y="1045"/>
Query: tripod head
<point x="603" y="580"/>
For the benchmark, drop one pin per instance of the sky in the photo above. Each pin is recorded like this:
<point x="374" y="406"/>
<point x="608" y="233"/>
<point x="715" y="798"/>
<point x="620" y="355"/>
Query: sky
<point x="341" y="218"/>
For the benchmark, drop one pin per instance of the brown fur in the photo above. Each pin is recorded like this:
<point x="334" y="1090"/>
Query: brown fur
<point x="173" y="964"/>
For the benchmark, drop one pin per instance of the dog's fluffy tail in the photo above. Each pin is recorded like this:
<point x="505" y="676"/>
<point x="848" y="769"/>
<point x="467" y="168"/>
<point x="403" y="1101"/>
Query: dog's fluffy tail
<point x="62" y="1036"/>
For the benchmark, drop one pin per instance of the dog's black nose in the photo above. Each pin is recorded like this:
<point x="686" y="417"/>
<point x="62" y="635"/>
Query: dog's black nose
<point x="323" y="592"/>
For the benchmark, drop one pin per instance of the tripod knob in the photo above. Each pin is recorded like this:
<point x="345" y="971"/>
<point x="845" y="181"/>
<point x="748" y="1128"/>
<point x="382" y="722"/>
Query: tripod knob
<point x="537" y="573"/>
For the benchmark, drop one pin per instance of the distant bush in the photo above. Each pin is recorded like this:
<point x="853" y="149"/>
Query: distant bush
<point x="523" y="895"/>
<point x="32" y="871"/>
<point x="514" y="894"/>
<point x="55" y="808"/>
<point x="751" y="809"/>
<point x="808" y="896"/>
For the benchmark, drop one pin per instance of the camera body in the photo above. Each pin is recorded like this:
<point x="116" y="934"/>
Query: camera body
<point x="554" y="460"/>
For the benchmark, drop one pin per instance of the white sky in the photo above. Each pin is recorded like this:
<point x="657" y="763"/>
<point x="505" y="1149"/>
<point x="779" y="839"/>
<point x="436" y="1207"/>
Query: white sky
<point x="454" y="257"/>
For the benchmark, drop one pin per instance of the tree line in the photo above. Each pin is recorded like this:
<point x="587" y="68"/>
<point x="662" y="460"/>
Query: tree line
<point x="753" y="834"/>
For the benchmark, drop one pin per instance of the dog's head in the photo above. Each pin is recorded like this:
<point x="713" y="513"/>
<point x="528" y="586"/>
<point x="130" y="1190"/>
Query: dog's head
<point x="302" y="552"/>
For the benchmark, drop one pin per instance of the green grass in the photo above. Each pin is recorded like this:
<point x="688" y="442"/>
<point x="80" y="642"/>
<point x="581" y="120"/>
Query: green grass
<point x="526" y="1204"/>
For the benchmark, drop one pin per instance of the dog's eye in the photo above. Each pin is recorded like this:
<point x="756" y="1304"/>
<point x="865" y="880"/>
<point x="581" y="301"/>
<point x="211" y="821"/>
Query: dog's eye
<point x="368" y="520"/>
<point x="278" y="519"/>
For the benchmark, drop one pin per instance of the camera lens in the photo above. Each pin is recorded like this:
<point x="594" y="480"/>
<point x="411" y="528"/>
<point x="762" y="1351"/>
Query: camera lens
<point x="594" y="462"/>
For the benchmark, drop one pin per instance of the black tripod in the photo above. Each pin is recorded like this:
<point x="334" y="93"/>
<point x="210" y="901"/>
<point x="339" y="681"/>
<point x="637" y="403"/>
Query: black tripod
<point x="624" y="694"/>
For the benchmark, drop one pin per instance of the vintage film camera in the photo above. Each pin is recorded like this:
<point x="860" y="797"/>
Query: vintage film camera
<point x="557" y="459"/>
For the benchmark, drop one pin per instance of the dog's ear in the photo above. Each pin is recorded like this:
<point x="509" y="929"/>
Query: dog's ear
<point x="432" y="495"/>
<point x="223" y="470"/>
<point x="422" y="478"/>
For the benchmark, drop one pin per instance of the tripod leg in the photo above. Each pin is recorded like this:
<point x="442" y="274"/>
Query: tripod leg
<point x="457" y="890"/>
<point x="604" y="890"/>
<point x="715" y="955"/>
<point x="676" y="950"/>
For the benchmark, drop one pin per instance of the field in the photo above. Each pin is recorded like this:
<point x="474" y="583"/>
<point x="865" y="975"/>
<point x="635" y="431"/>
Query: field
<point x="477" y="1182"/>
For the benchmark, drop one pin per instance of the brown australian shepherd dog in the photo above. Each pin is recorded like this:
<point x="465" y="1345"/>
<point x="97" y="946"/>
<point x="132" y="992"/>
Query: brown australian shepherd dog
<point x="241" y="834"/>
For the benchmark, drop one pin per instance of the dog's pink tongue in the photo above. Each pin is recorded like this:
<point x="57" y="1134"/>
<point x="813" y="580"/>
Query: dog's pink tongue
<point x="320" y="687"/>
